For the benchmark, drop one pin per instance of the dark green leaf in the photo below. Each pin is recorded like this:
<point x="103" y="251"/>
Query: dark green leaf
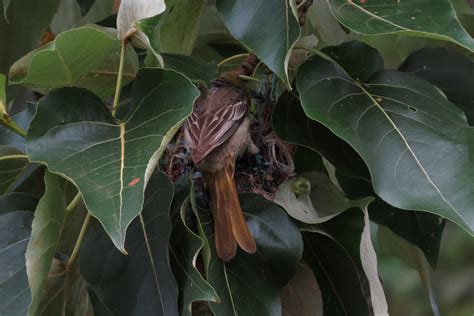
<point x="358" y="59"/>
<point x="423" y="230"/>
<point x="449" y="71"/>
<point x="11" y="167"/>
<point x="270" y="36"/>
<point x="21" y="31"/>
<point x="425" y="18"/>
<point x="86" y="57"/>
<point x="22" y="119"/>
<point x="142" y="282"/>
<point x="17" y="202"/>
<point x="399" y="124"/>
<point x="191" y="67"/>
<point x="186" y="246"/>
<point x="111" y="161"/>
<point x="180" y="26"/>
<point x="46" y="230"/>
<point x="15" y="229"/>
<point x="251" y="284"/>
<point x="336" y="273"/>
<point x="85" y="5"/>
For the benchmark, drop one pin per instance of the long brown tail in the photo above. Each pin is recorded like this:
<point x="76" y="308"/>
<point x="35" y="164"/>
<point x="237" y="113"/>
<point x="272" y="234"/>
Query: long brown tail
<point x="230" y="227"/>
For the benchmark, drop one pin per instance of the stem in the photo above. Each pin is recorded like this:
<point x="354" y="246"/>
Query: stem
<point x="118" y="87"/>
<point x="11" y="125"/>
<point x="315" y="51"/>
<point x="232" y="58"/>
<point x="72" y="205"/>
<point x="249" y="78"/>
<point x="254" y="74"/>
<point x="14" y="157"/>
<point x="77" y="246"/>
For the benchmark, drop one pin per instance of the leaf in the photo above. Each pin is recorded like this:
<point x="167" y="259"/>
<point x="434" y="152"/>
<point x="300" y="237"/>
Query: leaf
<point x="85" y="57"/>
<point x="191" y="67"/>
<point x="449" y="71"/>
<point x="11" y="167"/>
<point x="336" y="274"/>
<point x="186" y="246"/>
<point x="132" y="12"/>
<point x="142" y="282"/>
<point x="251" y="284"/>
<point x="46" y="230"/>
<point x="270" y="36"/>
<point x="351" y="230"/>
<point x="302" y="295"/>
<point x="320" y="201"/>
<point x="180" y="26"/>
<point x="110" y="161"/>
<point x="10" y="140"/>
<point x="399" y="124"/>
<point x="17" y="202"/>
<point x="85" y="5"/>
<point x="15" y="229"/>
<point x="292" y="125"/>
<point x="426" y="18"/>
<point x="412" y="255"/>
<point x="423" y="230"/>
<point x="24" y="25"/>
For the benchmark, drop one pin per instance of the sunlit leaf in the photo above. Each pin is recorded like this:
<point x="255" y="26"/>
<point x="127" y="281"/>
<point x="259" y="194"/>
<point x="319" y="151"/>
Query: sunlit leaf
<point x="86" y="57"/>
<point x="110" y="161"/>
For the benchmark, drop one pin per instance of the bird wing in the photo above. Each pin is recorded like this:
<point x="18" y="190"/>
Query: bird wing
<point x="206" y="130"/>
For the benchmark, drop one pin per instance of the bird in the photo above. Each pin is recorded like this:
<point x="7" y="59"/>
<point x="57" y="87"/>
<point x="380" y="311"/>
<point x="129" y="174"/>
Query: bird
<point x="216" y="134"/>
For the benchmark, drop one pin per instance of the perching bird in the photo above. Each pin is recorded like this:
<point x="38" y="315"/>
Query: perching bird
<point x="216" y="134"/>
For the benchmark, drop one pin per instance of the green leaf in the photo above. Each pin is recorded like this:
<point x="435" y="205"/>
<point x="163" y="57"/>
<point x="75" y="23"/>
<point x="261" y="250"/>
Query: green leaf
<point x="319" y="203"/>
<point x="186" y="246"/>
<point x="398" y="123"/>
<point x="17" y="202"/>
<point x="9" y="139"/>
<point x="85" y="5"/>
<point x="180" y="26"/>
<point x="336" y="273"/>
<point x="21" y="31"/>
<point x="393" y="245"/>
<point x="270" y="36"/>
<point x="449" y="71"/>
<point x="142" y="282"/>
<point x="46" y="230"/>
<point x="85" y="57"/>
<point x="426" y="18"/>
<point x="251" y="284"/>
<point x="110" y="161"/>
<point x="12" y="166"/>
<point x="191" y="67"/>
<point x="15" y="229"/>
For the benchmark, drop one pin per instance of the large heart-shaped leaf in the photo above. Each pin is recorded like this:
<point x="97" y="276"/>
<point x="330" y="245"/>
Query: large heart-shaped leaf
<point x="84" y="57"/>
<point x="424" y="18"/>
<point x="142" y="282"/>
<point x="450" y="71"/>
<point x="110" y="161"/>
<point x="270" y="36"/>
<point x="415" y="142"/>
<point x="251" y="284"/>
<point x="46" y="230"/>
<point x="15" y="229"/>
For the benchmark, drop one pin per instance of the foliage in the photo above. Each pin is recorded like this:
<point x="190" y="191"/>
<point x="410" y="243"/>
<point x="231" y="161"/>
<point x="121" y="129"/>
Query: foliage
<point x="366" y="152"/>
